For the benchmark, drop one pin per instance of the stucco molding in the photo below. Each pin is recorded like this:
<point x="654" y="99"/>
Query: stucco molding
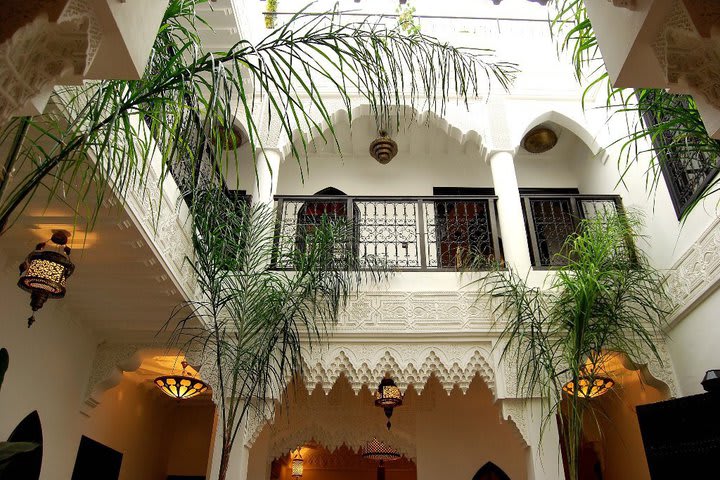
<point x="696" y="274"/>
<point x="408" y="364"/>
<point x="514" y="411"/>
<point x="43" y="52"/>
<point x="415" y="312"/>
<point x="687" y="50"/>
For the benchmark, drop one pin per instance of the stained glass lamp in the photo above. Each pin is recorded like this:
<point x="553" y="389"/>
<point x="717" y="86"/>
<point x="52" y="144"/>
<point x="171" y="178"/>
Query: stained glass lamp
<point x="387" y="397"/>
<point x="46" y="270"/>
<point x="182" y="386"/>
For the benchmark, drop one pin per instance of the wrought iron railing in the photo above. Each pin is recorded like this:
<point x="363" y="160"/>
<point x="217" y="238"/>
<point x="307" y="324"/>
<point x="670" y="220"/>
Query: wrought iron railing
<point x="403" y="233"/>
<point x="551" y="219"/>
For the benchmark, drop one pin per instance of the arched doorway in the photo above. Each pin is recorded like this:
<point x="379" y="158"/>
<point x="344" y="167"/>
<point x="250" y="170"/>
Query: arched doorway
<point x="490" y="471"/>
<point x="442" y="433"/>
<point x="330" y="207"/>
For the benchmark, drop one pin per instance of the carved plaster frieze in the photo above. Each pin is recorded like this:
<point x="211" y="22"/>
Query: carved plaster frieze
<point x="452" y="364"/>
<point x="166" y="229"/>
<point x="686" y="55"/>
<point x="415" y="312"/>
<point x="515" y="411"/>
<point x="42" y="52"/>
<point x="695" y="273"/>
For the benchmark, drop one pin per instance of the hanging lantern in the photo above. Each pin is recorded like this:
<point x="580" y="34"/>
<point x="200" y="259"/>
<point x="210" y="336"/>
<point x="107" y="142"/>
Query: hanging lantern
<point x="589" y="386"/>
<point x="383" y="148"/>
<point x="45" y="271"/>
<point x="378" y="451"/>
<point x="182" y="386"/>
<point x="297" y="465"/>
<point x="388" y="397"/>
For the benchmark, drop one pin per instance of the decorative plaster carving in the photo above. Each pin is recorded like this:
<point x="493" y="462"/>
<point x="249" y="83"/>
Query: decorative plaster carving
<point x="41" y="52"/>
<point x="514" y="410"/>
<point x="695" y="273"/>
<point x="686" y="55"/>
<point x="415" y="312"/>
<point x="166" y="230"/>
<point x="111" y="360"/>
<point x="409" y="364"/>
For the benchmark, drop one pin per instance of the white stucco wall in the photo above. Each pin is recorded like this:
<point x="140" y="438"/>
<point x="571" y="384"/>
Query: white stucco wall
<point x="49" y="368"/>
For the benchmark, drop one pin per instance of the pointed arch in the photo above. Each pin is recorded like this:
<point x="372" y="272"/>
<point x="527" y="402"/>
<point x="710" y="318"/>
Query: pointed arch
<point x="490" y="471"/>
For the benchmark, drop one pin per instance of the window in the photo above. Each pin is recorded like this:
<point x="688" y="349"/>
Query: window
<point x="687" y="167"/>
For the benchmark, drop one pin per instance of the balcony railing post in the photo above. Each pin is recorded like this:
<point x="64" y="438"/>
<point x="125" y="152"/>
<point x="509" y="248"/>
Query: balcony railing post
<point x="494" y="230"/>
<point x="279" y="206"/>
<point x="532" y="231"/>
<point x="422" y="241"/>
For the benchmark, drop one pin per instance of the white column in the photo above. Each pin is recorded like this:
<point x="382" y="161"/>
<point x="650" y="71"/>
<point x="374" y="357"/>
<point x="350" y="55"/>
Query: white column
<point x="267" y="165"/>
<point x="238" y="466"/>
<point x="510" y="213"/>
<point x="546" y="459"/>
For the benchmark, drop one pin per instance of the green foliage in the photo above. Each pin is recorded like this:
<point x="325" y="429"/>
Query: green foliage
<point x="406" y="19"/>
<point x="270" y="6"/>
<point x="606" y="300"/>
<point x="255" y="320"/>
<point x="274" y="81"/>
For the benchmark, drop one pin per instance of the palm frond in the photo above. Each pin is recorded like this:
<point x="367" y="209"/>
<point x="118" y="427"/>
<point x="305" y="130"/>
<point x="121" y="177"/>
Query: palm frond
<point x="108" y="132"/>
<point x="607" y="298"/>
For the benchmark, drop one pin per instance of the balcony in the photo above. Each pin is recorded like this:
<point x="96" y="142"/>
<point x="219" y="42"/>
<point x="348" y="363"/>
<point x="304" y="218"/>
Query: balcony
<point x="441" y="233"/>
<point x="551" y="219"/>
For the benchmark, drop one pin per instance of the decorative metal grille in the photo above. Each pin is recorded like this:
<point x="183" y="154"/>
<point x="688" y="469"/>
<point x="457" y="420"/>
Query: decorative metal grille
<point x="686" y="167"/>
<point x="550" y="220"/>
<point x="459" y="233"/>
<point x="439" y="233"/>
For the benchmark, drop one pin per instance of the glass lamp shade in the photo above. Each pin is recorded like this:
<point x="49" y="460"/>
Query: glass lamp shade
<point x="45" y="271"/>
<point x="589" y="386"/>
<point x="182" y="386"/>
<point x="297" y="466"/>
<point x="378" y="451"/>
<point x="388" y="394"/>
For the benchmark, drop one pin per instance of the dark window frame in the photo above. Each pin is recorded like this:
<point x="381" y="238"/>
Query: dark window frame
<point x="649" y="118"/>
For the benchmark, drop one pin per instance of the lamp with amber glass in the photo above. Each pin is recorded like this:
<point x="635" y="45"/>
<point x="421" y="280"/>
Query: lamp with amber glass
<point x="45" y="271"/>
<point x="297" y="465"/>
<point x="388" y="396"/>
<point x="589" y="386"/>
<point x="182" y="386"/>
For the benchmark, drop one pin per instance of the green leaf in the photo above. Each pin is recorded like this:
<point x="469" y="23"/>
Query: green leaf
<point x="10" y="449"/>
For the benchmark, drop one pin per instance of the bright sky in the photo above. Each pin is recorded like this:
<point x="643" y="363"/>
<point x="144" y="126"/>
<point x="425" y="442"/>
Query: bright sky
<point x="471" y="8"/>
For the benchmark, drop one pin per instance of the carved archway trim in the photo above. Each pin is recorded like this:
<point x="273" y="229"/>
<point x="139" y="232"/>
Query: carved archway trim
<point x="452" y="364"/>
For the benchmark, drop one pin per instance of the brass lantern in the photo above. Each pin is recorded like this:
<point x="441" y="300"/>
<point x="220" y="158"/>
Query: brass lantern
<point x="589" y="386"/>
<point x="297" y="465"/>
<point x="387" y="397"/>
<point x="383" y="148"/>
<point x="182" y="386"/>
<point x="46" y="270"/>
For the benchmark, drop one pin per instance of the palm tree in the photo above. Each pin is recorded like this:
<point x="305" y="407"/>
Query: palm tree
<point x="255" y="316"/>
<point x="606" y="300"/>
<point x="98" y="134"/>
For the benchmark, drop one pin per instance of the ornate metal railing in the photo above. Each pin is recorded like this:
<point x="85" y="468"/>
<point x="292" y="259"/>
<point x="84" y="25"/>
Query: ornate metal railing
<point x="550" y="219"/>
<point x="403" y="233"/>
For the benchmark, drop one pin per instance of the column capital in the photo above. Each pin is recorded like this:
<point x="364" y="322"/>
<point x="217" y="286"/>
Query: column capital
<point x="492" y="153"/>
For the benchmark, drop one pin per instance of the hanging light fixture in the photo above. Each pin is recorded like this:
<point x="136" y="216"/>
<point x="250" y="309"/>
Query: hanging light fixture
<point x="378" y="451"/>
<point x="589" y="386"/>
<point x="45" y="271"/>
<point x="383" y="149"/>
<point x="388" y="396"/>
<point x="297" y="465"/>
<point x="182" y="386"/>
